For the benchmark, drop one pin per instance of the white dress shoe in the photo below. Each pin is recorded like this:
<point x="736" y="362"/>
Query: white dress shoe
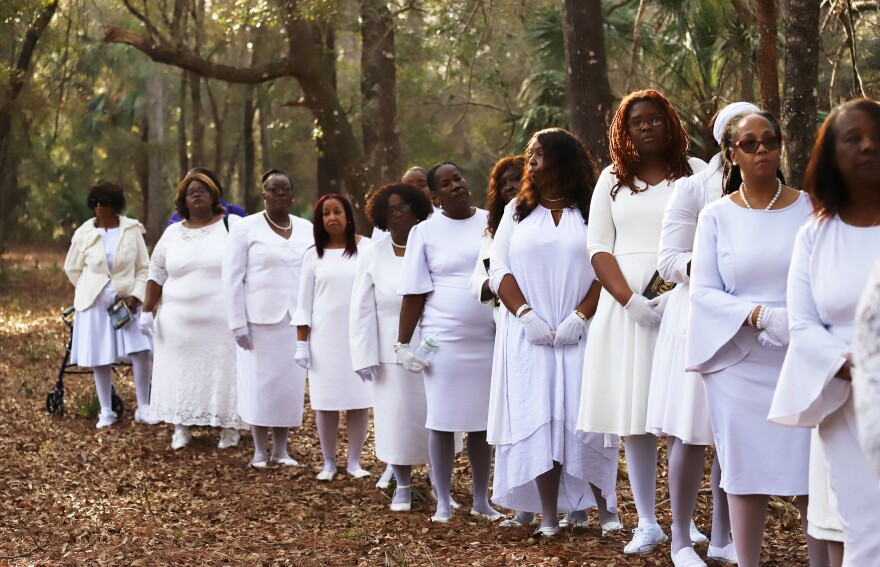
<point x="259" y="464"/>
<point x="493" y="517"/>
<point x="326" y="476"/>
<point x="726" y="554"/>
<point x="400" y="506"/>
<point x="687" y="557"/>
<point x="181" y="439"/>
<point x="612" y="526"/>
<point x="287" y="461"/>
<point x="696" y="535"/>
<point x="229" y="437"/>
<point x="547" y="531"/>
<point x="358" y="473"/>
<point x="142" y="415"/>
<point x="106" y="418"/>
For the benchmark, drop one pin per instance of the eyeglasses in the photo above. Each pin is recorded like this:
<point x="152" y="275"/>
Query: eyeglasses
<point x="197" y="192"/>
<point x="280" y="191"/>
<point x="100" y="201"/>
<point x="401" y="209"/>
<point x="751" y="146"/>
<point x="653" y="120"/>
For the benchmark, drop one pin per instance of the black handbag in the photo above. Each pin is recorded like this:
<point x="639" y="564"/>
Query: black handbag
<point x="119" y="314"/>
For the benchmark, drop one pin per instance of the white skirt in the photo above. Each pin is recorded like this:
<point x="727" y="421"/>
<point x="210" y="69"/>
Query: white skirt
<point x="823" y="521"/>
<point x="271" y="386"/>
<point x="95" y="343"/>
<point x="756" y="456"/>
<point x="399" y="412"/>
<point x="677" y="403"/>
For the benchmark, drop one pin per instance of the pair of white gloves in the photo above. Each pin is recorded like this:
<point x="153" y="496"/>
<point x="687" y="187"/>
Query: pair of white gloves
<point x="538" y="332"/>
<point x="775" y="333"/>
<point x="646" y="312"/>
<point x="303" y="358"/>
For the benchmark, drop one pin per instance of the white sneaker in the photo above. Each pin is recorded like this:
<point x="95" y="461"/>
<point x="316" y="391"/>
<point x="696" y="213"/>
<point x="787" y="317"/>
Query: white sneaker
<point x="142" y="415"/>
<point x="647" y="537"/>
<point x="611" y="526"/>
<point x="687" y="557"/>
<point x="726" y="554"/>
<point x="229" y="437"/>
<point x="181" y="438"/>
<point x="106" y="418"/>
<point x="696" y="535"/>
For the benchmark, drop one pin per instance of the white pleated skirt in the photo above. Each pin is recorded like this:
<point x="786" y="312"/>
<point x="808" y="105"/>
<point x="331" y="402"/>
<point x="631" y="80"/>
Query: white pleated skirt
<point x="399" y="413"/>
<point x="95" y="343"/>
<point x="271" y="386"/>
<point x="677" y="403"/>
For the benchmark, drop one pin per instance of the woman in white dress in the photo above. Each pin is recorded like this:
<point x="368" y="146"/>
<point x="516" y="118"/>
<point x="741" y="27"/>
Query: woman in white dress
<point x="194" y="364"/>
<point x="439" y="259"/>
<point x="108" y="260"/>
<point x="832" y="260"/>
<point x="866" y="382"/>
<point x="677" y="405"/>
<point x="260" y="280"/>
<point x="540" y="269"/>
<point x="399" y="407"/>
<point x="738" y="327"/>
<point x="323" y="347"/>
<point x="649" y="152"/>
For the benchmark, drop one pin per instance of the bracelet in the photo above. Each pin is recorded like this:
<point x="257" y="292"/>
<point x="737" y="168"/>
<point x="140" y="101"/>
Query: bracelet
<point x="400" y="346"/>
<point x="760" y="320"/>
<point x="522" y="308"/>
<point x="581" y="315"/>
<point x="749" y="318"/>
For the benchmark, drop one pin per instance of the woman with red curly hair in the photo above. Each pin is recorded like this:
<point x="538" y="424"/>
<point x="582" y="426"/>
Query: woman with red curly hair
<point x="649" y="152"/>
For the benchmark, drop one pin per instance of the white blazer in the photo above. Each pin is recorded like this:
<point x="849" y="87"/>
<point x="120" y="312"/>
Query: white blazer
<point x="86" y="263"/>
<point x="261" y="270"/>
<point x="375" y="306"/>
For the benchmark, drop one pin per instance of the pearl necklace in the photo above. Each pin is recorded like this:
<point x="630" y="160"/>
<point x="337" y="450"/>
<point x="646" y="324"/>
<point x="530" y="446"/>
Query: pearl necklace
<point x="772" y="201"/>
<point x="396" y="245"/>
<point x="289" y="222"/>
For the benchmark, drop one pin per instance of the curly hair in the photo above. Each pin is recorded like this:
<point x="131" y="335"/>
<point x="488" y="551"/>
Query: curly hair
<point x="568" y="170"/>
<point x="823" y="181"/>
<point x="730" y="173"/>
<point x="377" y="207"/>
<point x="322" y="237"/>
<point x="624" y="155"/>
<point x="106" y="191"/>
<point x="494" y="201"/>
<point x="207" y="181"/>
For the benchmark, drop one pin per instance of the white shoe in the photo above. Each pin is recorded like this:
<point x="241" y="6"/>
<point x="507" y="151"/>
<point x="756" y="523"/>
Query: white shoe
<point x="259" y="464"/>
<point x="493" y="517"/>
<point x="400" y="506"/>
<point x="518" y="519"/>
<point x="142" y="415"/>
<point x="726" y="554"/>
<point x="106" y="418"/>
<point x="385" y="479"/>
<point x="181" y="439"/>
<point x="581" y="520"/>
<point x="229" y="437"/>
<point x="358" y="472"/>
<point x="287" y="461"/>
<point x="612" y="526"/>
<point x="326" y="476"/>
<point x="547" y="531"/>
<point x="647" y="537"/>
<point x="687" y="557"/>
<point x="696" y="535"/>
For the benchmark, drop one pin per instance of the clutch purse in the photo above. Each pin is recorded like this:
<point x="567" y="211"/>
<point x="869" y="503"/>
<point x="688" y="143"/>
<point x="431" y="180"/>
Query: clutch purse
<point x="119" y="314"/>
<point x="657" y="286"/>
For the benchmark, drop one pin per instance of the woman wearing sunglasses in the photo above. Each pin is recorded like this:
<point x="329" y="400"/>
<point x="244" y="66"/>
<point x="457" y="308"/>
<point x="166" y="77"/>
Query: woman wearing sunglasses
<point x="738" y="326"/>
<point x="108" y="260"/>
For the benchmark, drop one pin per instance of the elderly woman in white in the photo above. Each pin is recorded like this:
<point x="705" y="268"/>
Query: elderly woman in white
<point x="108" y="260"/>
<point x="261" y="271"/>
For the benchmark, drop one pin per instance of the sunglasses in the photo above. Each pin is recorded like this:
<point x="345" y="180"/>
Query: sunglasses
<point x="751" y="146"/>
<point x="103" y="202"/>
<point x="638" y="123"/>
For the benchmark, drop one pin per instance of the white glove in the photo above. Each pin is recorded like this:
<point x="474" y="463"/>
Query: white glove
<point x="569" y="331"/>
<point x="658" y="304"/>
<point x="776" y="325"/>
<point x="767" y="340"/>
<point x="537" y="330"/>
<point x="145" y="323"/>
<point x="366" y="374"/>
<point x="643" y="314"/>
<point x="409" y="360"/>
<point x="243" y="337"/>
<point x="302" y="354"/>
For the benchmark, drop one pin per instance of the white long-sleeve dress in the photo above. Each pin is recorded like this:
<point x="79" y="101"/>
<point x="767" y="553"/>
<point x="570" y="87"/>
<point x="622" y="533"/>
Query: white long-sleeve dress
<point x="261" y="272"/>
<point x="399" y="406"/>
<point x="677" y="399"/>
<point x="439" y="260"/>
<point x="866" y="380"/>
<point x="829" y="269"/>
<point x="536" y="388"/>
<point x="194" y="376"/>
<point x="617" y="364"/>
<point x="324" y="304"/>
<point x="737" y="267"/>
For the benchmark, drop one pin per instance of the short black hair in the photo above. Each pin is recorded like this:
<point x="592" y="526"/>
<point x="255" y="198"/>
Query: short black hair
<point x="432" y="174"/>
<point x="105" y="190"/>
<point x="377" y="206"/>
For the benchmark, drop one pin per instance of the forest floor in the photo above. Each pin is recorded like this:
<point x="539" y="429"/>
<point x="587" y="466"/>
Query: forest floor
<point x="73" y="495"/>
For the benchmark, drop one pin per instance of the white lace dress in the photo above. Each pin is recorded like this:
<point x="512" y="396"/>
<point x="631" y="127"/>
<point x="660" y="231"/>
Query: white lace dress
<point x="194" y="358"/>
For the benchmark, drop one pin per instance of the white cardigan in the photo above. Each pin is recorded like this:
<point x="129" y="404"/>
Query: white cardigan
<point x="86" y="263"/>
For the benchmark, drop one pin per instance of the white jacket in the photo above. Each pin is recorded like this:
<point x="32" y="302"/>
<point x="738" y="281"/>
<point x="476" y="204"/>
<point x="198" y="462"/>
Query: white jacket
<point x="86" y="263"/>
<point x="261" y="270"/>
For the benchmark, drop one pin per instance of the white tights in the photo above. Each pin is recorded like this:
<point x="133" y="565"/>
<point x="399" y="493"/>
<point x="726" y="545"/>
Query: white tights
<point x="641" y="465"/>
<point x="357" y="423"/>
<point x="279" y="442"/>
<point x="142" y="365"/>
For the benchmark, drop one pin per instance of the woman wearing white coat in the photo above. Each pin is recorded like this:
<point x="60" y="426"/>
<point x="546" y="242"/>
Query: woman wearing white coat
<point x="399" y="407"/>
<point x="261" y="271"/>
<point x="108" y="259"/>
<point x="831" y="263"/>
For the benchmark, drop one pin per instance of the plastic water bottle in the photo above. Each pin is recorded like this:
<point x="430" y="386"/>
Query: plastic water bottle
<point x="427" y="347"/>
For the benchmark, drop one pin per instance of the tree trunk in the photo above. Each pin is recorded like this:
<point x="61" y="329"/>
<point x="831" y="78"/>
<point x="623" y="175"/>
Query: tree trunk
<point x="801" y="77"/>
<point x="328" y="174"/>
<point x="218" y="133"/>
<point x="248" y="175"/>
<point x="198" y="120"/>
<point x="156" y="212"/>
<point x="378" y="95"/>
<point x="768" y="74"/>
<point x="589" y="92"/>
<point x="182" y="149"/>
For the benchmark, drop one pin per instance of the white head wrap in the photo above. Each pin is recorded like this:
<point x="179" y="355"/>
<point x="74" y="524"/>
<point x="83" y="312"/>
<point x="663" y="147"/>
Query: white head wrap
<point x="728" y="112"/>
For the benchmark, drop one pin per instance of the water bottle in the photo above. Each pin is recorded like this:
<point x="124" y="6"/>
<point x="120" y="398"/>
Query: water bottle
<point x="427" y="347"/>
